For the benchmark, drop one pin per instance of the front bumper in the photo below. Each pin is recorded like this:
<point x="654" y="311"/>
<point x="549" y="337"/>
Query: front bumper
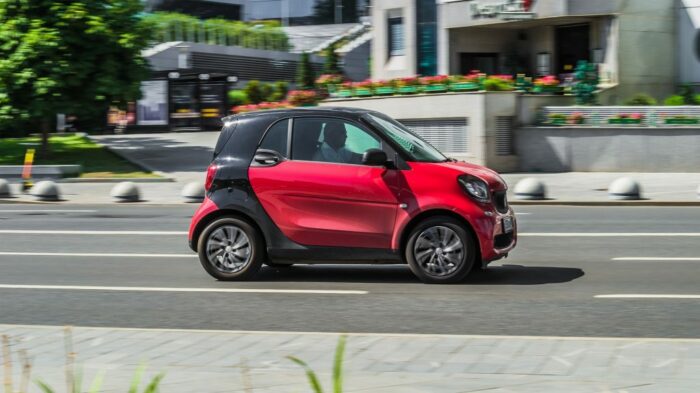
<point x="502" y="242"/>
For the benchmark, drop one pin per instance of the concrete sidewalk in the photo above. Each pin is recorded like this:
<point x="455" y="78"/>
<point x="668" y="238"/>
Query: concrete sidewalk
<point x="222" y="361"/>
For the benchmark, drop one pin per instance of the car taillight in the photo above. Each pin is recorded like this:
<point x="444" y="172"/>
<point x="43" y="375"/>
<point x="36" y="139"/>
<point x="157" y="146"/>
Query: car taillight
<point x="211" y="173"/>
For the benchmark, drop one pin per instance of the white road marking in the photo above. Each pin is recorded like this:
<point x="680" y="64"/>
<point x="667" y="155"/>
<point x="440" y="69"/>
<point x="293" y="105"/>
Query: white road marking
<point x="196" y="290"/>
<point x="523" y="214"/>
<point x="564" y="362"/>
<point x="574" y="352"/>
<point x="89" y="254"/>
<point x="610" y="234"/>
<point x="643" y="259"/>
<point x="107" y="233"/>
<point x="48" y="211"/>
<point x="360" y="334"/>
<point x="646" y="296"/>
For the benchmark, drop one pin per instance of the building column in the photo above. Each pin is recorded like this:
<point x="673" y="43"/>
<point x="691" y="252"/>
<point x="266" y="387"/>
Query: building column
<point x="443" y="44"/>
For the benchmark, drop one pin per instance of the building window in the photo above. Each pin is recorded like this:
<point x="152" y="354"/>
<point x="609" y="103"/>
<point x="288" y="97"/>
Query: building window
<point x="426" y="15"/>
<point x="396" y="36"/>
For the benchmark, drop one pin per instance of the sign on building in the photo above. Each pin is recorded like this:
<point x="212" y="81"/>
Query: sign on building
<point x="506" y="10"/>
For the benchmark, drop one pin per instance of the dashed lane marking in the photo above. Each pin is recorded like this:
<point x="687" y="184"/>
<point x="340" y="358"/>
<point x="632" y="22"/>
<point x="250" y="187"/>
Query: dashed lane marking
<point x="191" y="290"/>
<point x="90" y="254"/>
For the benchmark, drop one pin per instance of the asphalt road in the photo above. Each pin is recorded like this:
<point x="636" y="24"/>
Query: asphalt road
<point x="548" y="286"/>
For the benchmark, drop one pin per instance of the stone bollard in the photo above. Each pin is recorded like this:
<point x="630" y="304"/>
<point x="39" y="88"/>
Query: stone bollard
<point x="126" y="191"/>
<point x="5" y="189"/>
<point x="698" y="192"/>
<point x="531" y="189"/>
<point x="193" y="192"/>
<point x="625" y="188"/>
<point x="45" y="191"/>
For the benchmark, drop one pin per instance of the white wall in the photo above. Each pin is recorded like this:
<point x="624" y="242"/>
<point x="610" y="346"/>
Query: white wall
<point x="384" y="66"/>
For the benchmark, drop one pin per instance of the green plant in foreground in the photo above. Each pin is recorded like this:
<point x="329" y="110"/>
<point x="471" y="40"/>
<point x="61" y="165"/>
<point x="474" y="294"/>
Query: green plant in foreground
<point x="641" y="99"/>
<point x="674" y="100"/>
<point x="337" y="369"/>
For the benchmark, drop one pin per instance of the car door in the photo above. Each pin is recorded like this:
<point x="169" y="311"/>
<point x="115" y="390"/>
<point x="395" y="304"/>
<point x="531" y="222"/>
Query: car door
<point x="322" y="197"/>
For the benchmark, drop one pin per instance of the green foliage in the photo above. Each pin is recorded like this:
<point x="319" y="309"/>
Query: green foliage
<point x="337" y="369"/>
<point x="674" y="100"/>
<point x="586" y="85"/>
<point x="641" y="99"/>
<point x="687" y="94"/>
<point x="172" y="26"/>
<point x="305" y="73"/>
<point x="74" y="57"/>
<point x="279" y="91"/>
<point x="696" y="99"/>
<point x="254" y="91"/>
<point x="331" y="64"/>
<point x="497" y="84"/>
<point x="238" y="97"/>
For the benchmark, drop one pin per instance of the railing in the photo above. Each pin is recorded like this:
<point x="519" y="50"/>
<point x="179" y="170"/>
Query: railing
<point x="617" y="116"/>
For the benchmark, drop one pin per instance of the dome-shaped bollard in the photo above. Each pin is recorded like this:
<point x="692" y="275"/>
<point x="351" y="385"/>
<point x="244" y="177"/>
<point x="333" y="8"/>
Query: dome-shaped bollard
<point x="531" y="189"/>
<point x="625" y="188"/>
<point x="698" y="192"/>
<point x="46" y="191"/>
<point x="5" y="189"/>
<point x="193" y="192"/>
<point x="126" y="191"/>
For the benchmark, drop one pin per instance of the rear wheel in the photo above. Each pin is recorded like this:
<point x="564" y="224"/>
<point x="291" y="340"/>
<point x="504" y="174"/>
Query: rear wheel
<point x="231" y="250"/>
<point x="440" y="251"/>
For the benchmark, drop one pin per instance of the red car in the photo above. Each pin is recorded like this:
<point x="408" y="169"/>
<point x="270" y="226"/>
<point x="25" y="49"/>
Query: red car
<point x="338" y="185"/>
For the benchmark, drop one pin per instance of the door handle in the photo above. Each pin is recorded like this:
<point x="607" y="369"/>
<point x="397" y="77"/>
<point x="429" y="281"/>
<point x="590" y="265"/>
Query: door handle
<point x="266" y="157"/>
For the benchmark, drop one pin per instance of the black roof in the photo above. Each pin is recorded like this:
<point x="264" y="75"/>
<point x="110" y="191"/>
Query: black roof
<point x="336" y="111"/>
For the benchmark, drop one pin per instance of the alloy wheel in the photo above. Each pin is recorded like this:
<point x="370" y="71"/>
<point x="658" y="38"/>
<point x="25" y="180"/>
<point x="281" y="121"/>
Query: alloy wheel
<point x="228" y="249"/>
<point x="439" y="251"/>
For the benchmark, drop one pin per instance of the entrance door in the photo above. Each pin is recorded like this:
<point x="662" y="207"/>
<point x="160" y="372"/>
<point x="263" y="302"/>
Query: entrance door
<point x="323" y="195"/>
<point x="484" y="62"/>
<point x="572" y="44"/>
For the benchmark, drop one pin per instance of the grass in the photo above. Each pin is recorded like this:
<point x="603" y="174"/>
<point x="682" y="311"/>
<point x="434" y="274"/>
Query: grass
<point x="70" y="149"/>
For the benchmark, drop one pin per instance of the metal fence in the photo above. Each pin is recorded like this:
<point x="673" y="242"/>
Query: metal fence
<point x="603" y="116"/>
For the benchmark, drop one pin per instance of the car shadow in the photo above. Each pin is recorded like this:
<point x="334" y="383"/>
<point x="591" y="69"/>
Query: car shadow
<point x="397" y="274"/>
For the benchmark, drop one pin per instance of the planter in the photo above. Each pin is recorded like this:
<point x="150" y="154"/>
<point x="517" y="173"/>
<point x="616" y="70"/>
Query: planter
<point x="682" y="121"/>
<point x="464" y="86"/>
<point x="556" y="122"/>
<point x="548" y="89"/>
<point x="435" y="88"/>
<point x="345" y="93"/>
<point x="408" y="90"/>
<point x="363" y="92"/>
<point x="384" y="91"/>
<point x="624" y="121"/>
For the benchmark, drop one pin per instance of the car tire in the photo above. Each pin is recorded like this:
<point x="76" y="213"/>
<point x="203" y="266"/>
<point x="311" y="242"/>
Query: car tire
<point x="231" y="249"/>
<point x="440" y="250"/>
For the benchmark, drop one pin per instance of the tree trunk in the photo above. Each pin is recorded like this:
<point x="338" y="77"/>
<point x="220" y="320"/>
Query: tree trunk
<point x="45" y="130"/>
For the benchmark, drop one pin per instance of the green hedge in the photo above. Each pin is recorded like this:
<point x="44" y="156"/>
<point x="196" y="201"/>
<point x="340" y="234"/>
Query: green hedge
<point x="172" y="26"/>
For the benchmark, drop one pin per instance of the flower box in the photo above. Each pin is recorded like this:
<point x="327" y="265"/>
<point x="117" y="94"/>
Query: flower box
<point x="625" y="121"/>
<point x="464" y="86"/>
<point x="556" y="122"/>
<point x="362" y="92"/>
<point x="681" y="121"/>
<point x="384" y="91"/>
<point x="548" y="89"/>
<point x="408" y="90"/>
<point x="343" y="93"/>
<point x="435" y="88"/>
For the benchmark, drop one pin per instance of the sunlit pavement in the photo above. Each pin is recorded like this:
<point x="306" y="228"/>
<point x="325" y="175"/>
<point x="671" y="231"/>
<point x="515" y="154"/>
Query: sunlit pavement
<point x="607" y="296"/>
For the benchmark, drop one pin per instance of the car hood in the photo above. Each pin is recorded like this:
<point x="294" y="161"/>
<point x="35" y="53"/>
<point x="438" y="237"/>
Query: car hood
<point x="491" y="177"/>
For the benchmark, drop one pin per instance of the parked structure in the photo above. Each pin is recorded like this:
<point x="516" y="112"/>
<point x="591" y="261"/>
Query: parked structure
<point x="636" y="43"/>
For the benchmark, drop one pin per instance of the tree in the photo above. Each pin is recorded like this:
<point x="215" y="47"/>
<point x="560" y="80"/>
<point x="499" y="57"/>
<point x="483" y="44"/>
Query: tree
<point x="331" y="65"/>
<point x="76" y="57"/>
<point x="305" y="73"/>
<point x="324" y="11"/>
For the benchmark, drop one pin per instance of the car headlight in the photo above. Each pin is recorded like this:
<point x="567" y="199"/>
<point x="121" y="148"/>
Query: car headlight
<point x="475" y="187"/>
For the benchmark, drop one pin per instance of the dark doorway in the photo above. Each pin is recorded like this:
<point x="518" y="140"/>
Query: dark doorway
<point x="484" y="62"/>
<point x="572" y="45"/>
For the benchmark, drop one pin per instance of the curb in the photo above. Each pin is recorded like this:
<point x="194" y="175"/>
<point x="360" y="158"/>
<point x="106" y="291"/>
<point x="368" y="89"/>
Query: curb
<point x="138" y="163"/>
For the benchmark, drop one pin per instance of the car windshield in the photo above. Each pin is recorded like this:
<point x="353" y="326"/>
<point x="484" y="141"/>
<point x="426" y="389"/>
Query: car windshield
<point x="413" y="145"/>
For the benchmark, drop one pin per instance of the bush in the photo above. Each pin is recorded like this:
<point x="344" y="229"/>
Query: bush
<point x="641" y="99"/>
<point x="674" y="100"/>
<point x="279" y="91"/>
<point x="238" y="97"/>
<point x="254" y="92"/>
<point x="497" y="84"/>
<point x="696" y="99"/>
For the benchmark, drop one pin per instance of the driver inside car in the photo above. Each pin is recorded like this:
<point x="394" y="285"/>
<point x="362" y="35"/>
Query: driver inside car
<point x="333" y="147"/>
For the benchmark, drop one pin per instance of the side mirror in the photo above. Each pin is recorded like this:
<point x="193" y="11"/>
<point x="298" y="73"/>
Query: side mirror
<point x="374" y="157"/>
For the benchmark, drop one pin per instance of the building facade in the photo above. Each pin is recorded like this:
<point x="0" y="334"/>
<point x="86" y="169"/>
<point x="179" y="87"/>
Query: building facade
<point x="641" y="46"/>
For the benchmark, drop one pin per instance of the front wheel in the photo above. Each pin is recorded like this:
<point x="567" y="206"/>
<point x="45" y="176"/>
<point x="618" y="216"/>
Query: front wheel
<point x="231" y="250"/>
<point x="440" y="251"/>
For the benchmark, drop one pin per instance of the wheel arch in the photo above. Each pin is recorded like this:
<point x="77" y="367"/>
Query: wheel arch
<point x="406" y="232"/>
<point x="221" y="213"/>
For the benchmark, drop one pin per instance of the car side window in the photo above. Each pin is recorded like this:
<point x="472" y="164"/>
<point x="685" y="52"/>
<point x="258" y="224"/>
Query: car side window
<point x="276" y="138"/>
<point x="331" y="140"/>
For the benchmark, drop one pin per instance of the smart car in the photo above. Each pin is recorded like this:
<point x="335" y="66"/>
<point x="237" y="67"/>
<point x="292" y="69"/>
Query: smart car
<point x="339" y="185"/>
